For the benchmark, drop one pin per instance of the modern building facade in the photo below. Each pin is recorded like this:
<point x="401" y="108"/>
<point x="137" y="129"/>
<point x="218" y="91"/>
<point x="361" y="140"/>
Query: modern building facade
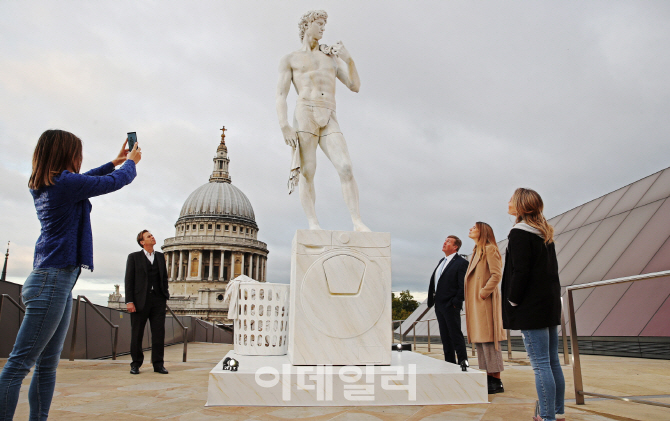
<point x="623" y="233"/>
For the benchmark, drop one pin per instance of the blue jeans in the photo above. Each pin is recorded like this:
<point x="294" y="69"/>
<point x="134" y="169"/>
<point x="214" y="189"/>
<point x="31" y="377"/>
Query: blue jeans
<point x="47" y="295"/>
<point x="542" y="348"/>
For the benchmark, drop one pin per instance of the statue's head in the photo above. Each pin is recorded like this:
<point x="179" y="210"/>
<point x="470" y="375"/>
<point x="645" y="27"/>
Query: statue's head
<point x="310" y="17"/>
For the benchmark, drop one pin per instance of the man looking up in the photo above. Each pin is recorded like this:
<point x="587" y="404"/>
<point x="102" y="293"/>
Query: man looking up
<point x="446" y="294"/>
<point x="146" y="297"/>
<point x="313" y="69"/>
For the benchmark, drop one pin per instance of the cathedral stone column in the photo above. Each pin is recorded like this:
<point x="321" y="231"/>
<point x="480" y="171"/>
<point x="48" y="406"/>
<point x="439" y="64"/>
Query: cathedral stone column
<point x="232" y="265"/>
<point x="188" y="268"/>
<point x="265" y="269"/>
<point x="201" y="262"/>
<point x="166" y="256"/>
<point x="242" y="264"/>
<point x="221" y="265"/>
<point x="258" y="274"/>
<point x="210" y="275"/>
<point x="172" y="265"/>
<point x="181" y="265"/>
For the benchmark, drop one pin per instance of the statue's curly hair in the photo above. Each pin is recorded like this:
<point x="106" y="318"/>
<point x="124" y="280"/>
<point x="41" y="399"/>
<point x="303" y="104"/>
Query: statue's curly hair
<point x="310" y="17"/>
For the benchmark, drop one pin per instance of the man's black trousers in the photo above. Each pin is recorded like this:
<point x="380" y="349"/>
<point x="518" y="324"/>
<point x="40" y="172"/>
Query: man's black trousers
<point x="449" y="320"/>
<point x="154" y="311"/>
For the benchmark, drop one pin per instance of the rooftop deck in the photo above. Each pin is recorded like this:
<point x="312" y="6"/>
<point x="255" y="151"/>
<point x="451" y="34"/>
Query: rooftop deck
<point x="104" y="390"/>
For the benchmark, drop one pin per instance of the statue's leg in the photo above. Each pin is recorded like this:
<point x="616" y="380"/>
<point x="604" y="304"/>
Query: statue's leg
<point x="335" y="148"/>
<point x="308" y="144"/>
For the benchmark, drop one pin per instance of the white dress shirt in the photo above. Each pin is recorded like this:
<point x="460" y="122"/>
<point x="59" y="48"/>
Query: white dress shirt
<point x="443" y="265"/>
<point x="150" y="256"/>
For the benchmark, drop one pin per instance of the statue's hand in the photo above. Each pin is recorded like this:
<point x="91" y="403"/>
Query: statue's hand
<point x="290" y="136"/>
<point x="341" y="51"/>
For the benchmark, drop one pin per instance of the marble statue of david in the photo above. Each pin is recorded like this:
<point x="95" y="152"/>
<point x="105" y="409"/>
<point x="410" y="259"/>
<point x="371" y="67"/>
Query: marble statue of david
<point x="313" y="70"/>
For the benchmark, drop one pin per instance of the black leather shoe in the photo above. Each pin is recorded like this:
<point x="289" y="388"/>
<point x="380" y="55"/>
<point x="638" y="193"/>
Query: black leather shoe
<point x="494" y="385"/>
<point x="464" y="365"/>
<point x="160" y="369"/>
<point x="134" y="370"/>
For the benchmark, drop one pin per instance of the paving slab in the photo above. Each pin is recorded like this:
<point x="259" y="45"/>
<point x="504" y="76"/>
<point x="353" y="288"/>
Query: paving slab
<point x="105" y="390"/>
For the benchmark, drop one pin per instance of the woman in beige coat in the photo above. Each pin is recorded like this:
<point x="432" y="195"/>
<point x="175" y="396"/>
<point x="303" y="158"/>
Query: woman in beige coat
<point x="483" y="313"/>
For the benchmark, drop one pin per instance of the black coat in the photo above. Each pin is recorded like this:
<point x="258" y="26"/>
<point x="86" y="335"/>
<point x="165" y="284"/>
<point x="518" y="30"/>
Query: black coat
<point x="530" y="279"/>
<point x="450" y="285"/>
<point x="137" y="277"/>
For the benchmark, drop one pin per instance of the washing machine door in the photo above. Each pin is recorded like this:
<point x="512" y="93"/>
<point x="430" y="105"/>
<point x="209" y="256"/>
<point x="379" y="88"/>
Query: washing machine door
<point x="343" y="293"/>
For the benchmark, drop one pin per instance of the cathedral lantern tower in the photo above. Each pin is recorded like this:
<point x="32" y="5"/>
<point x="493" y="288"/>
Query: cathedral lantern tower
<point x="220" y="173"/>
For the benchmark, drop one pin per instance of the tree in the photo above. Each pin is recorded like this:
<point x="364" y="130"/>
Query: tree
<point x="403" y="305"/>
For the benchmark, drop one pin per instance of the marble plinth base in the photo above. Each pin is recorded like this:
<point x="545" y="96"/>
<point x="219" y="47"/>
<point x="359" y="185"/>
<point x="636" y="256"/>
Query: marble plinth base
<point x="340" y="309"/>
<point x="411" y="379"/>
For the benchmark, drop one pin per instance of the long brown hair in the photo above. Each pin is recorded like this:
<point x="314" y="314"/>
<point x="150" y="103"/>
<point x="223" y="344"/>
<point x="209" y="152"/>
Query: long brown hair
<point x="56" y="150"/>
<point x="529" y="206"/>
<point x="486" y="237"/>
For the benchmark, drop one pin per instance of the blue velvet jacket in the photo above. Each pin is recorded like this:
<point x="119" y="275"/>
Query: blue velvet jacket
<point x="64" y="212"/>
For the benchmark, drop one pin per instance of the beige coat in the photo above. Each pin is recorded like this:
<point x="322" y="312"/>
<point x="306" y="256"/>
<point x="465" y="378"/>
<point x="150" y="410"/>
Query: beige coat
<point x="483" y="317"/>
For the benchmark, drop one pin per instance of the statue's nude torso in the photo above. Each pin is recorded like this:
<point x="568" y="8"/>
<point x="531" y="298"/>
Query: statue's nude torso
<point x="314" y="75"/>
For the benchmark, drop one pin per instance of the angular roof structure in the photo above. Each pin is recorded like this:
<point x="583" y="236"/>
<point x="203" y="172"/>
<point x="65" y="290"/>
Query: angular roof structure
<point x="623" y="233"/>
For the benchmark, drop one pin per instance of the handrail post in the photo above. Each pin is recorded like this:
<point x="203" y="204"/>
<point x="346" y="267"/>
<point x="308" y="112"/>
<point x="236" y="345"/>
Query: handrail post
<point x="414" y="333"/>
<point x="185" y="343"/>
<point x="116" y="341"/>
<point x="74" y="328"/>
<point x="566" y="351"/>
<point x="184" y="331"/>
<point x="509" y="345"/>
<point x="428" y="335"/>
<point x="576" y="366"/>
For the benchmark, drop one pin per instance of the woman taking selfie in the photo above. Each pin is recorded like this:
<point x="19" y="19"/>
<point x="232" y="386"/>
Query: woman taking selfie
<point x="531" y="295"/>
<point x="483" y="315"/>
<point x="64" y="247"/>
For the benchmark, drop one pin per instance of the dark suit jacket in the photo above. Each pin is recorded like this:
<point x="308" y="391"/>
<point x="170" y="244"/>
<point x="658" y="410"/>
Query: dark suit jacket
<point x="449" y="290"/>
<point x="137" y="277"/>
<point x="530" y="279"/>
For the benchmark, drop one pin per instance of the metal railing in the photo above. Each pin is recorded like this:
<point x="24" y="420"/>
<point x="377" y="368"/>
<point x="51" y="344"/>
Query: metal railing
<point x="76" y="319"/>
<point x="184" y="330"/>
<point x="418" y="320"/>
<point x="576" y="364"/>
<point x="11" y="300"/>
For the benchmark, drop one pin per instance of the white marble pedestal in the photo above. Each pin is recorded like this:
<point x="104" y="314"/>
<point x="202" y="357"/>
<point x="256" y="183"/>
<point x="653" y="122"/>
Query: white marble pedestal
<point x="340" y="310"/>
<point x="411" y="379"/>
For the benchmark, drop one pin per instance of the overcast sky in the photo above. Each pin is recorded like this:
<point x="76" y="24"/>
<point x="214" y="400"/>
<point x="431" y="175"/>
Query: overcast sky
<point x="461" y="102"/>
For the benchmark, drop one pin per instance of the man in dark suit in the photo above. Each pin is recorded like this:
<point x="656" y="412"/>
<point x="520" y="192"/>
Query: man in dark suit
<point x="446" y="294"/>
<point x="146" y="297"/>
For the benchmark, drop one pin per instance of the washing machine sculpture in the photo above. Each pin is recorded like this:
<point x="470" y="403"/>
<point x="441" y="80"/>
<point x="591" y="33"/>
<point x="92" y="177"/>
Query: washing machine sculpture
<point x="340" y="298"/>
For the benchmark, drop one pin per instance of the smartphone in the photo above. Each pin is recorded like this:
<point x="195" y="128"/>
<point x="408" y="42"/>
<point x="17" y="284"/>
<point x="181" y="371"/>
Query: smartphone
<point x="132" y="140"/>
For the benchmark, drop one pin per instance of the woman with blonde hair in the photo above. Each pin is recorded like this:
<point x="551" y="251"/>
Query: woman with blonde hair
<point x="531" y="294"/>
<point x="483" y="315"/>
<point x="64" y="247"/>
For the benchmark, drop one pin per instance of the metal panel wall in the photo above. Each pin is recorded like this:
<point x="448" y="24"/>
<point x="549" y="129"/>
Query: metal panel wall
<point x="617" y="243"/>
<point x="634" y="310"/>
<point x="11" y="317"/>
<point x="633" y="195"/>
<point x="648" y="241"/>
<point x="584" y="213"/>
